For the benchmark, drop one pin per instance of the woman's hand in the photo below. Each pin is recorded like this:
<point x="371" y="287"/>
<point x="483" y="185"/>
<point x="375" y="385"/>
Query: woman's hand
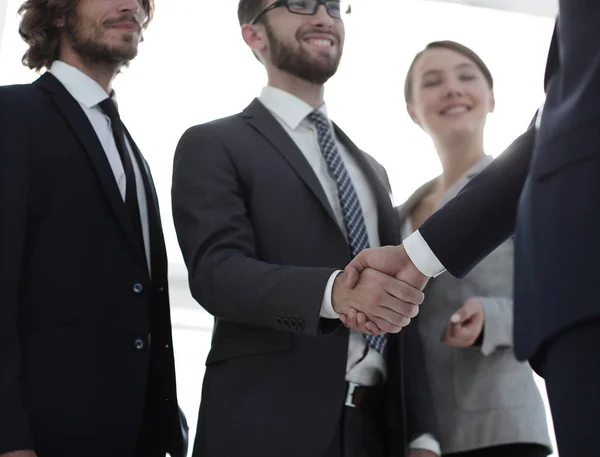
<point x="465" y="325"/>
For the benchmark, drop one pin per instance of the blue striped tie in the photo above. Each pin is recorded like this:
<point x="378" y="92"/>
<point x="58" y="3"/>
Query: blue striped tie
<point x="353" y="215"/>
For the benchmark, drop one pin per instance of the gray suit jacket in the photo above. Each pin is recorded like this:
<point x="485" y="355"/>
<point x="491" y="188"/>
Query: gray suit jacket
<point x="483" y="396"/>
<point x="260" y="241"/>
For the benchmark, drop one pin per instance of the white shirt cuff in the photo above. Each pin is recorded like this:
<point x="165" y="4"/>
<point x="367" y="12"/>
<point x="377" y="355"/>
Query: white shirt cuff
<point x="427" y="443"/>
<point x="327" y="310"/>
<point x="422" y="256"/>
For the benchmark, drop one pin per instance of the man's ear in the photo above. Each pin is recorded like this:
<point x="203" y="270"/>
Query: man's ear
<point x="255" y="38"/>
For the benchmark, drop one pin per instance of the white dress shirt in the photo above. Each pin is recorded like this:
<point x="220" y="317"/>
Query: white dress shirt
<point x="364" y="366"/>
<point x="422" y="256"/>
<point x="89" y="94"/>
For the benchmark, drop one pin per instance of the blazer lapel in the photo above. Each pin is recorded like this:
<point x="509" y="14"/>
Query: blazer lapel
<point x="403" y="211"/>
<point x="462" y="182"/>
<point x="389" y="232"/>
<point x="83" y="130"/>
<point x="262" y="121"/>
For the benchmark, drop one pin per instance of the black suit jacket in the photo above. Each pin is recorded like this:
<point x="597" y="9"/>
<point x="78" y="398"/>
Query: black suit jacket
<point x="77" y="302"/>
<point x="546" y="189"/>
<point x="260" y="241"/>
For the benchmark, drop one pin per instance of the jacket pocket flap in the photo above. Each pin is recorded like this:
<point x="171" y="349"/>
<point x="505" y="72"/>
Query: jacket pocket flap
<point x="248" y="343"/>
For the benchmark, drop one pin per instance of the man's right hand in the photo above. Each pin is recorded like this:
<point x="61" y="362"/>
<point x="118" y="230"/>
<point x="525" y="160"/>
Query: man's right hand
<point x="391" y="260"/>
<point x="386" y="301"/>
<point x="19" y="454"/>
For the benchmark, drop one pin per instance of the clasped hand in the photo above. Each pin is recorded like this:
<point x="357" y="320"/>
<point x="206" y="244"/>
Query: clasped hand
<point x="379" y="292"/>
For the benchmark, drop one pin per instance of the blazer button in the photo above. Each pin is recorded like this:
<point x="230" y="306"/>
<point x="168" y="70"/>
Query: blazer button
<point x="300" y="325"/>
<point x="138" y="288"/>
<point x="279" y="321"/>
<point x="139" y="344"/>
<point x="286" y="323"/>
<point x="293" y="324"/>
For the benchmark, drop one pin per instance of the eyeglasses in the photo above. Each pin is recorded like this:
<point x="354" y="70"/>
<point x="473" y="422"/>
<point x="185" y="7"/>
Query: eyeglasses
<point x="335" y="8"/>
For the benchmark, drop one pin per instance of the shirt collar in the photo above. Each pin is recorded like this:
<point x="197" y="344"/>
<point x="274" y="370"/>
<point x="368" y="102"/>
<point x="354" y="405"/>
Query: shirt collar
<point x="287" y="107"/>
<point x="81" y="87"/>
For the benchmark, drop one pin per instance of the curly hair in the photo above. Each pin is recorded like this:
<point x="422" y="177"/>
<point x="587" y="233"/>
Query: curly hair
<point x="38" y="28"/>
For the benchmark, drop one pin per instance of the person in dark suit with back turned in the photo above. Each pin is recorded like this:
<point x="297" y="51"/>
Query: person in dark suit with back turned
<point x="86" y="356"/>
<point x="268" y="205"/>
<point x="545" y="189"/>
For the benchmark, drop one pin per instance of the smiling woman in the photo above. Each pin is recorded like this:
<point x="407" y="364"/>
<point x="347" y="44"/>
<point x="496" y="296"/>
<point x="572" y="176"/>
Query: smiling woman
<point x="466" y="325"/>
<point x="449" y="92"/>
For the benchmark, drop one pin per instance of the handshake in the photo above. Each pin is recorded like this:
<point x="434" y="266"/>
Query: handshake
<point x="379" y="291"/>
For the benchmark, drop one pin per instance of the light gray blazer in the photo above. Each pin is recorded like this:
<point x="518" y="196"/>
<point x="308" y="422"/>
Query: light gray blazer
<point x="482" y="395"/>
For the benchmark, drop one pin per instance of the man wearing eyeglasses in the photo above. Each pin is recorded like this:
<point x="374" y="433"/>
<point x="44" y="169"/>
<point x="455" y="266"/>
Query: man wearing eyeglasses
<point x="269" y="205"/>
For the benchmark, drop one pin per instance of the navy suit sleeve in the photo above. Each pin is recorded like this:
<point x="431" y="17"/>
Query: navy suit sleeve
<point x="217" y="240"/>
<point x="14" y="183"/>
<point x="482" y="216"/>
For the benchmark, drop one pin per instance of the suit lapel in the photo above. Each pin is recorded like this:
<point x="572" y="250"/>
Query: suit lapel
<point x="83" y="130"/>
<point x="261" y="120"/>
<point x="388" y="225"/>
<point x="158" y="253"/>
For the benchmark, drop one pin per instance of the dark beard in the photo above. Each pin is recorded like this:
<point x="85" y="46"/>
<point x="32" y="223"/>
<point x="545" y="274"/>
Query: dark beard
<point x="298" y="62"/>
<point x="87" y="43"/>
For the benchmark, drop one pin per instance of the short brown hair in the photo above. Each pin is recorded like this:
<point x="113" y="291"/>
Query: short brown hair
<point x="38" y="28"/>
<point x="248" y="9"/>
<point x="453" y="46"/>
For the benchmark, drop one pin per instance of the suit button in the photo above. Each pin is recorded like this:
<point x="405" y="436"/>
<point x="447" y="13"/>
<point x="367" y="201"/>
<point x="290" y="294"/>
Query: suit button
<point x="138" y="288"/>
<point x="286" y="323"/>
<point x="139" y="344"/>
<point x="300" y="325"/>
<point x="279" y="321"/>
<point x="293" y="324"/>
<point x="161" y="290"/>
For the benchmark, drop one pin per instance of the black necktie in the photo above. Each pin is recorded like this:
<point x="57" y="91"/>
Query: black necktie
<point x="131" y="201"/>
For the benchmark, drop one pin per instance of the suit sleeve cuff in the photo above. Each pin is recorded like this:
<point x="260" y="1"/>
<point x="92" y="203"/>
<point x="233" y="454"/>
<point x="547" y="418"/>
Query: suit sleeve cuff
<point x="427" y="443"/>
<point x="327" y="310"/>
<point x="422" y="256"/>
